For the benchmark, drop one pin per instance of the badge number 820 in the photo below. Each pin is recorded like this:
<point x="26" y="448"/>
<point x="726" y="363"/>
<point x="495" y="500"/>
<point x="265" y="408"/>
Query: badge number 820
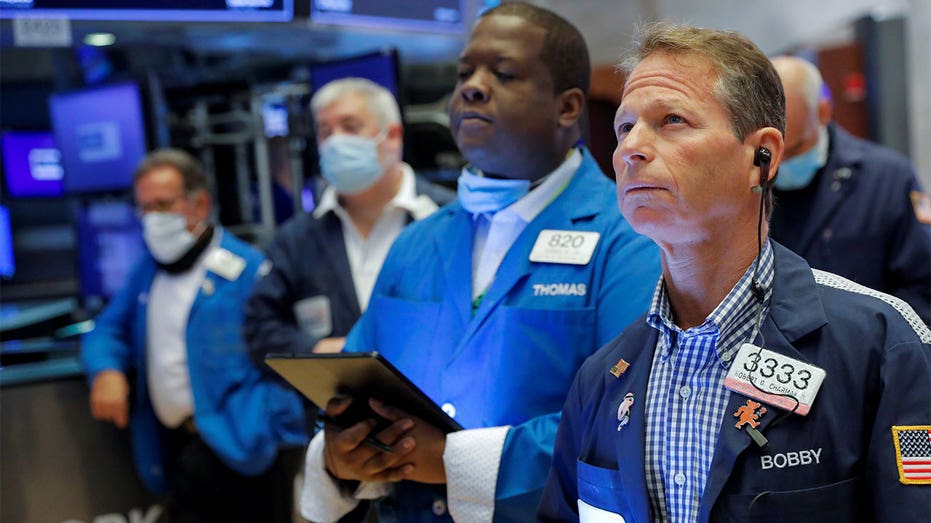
<point x="568" y="247"/>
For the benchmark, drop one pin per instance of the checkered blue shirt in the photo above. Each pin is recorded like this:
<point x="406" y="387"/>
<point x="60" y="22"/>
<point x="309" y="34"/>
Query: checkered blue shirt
<point x="686" y="397"/>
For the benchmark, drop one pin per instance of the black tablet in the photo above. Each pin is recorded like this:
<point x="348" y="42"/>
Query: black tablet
<point x="360" y="375"/>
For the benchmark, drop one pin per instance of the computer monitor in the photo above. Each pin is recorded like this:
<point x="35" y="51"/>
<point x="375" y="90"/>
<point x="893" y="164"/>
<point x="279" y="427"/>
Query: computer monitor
<point x="381" y="67"/>
<point x="110" y="241"/>
<point x="31" y="164"/>
<point x="152" y="10"/>
<point x="421" y="15"/>
<point x="7" y="261"/>
<point x="101" y="135"/>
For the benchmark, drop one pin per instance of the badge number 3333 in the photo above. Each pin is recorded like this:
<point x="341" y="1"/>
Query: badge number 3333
<point x="774" y="378"/>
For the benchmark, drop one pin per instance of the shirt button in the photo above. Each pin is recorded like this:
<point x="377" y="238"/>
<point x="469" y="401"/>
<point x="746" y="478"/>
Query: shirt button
<point x="684" y="391"/>
<point x="727" y="356"/>
<point x="439" y="507"/>
<point x="449" y="409"/>
<point x="680" y="479"/>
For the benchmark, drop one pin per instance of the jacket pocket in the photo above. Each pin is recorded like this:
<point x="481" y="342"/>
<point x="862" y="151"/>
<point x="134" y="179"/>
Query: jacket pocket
<point x="834" y="502"/>
<point x="601" y="497"/>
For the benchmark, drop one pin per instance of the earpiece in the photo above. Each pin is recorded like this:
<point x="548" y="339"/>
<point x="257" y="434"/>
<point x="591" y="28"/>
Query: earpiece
<point x="762" y="158"/>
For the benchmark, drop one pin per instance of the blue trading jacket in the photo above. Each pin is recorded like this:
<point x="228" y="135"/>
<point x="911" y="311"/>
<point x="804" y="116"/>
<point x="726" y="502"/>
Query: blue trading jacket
<point x="241" y="414"/>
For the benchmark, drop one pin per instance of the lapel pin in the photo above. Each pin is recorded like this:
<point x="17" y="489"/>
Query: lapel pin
<point x="748" y="418"/>
<point x="618" y="368"/>
<point x="623" y="410"/>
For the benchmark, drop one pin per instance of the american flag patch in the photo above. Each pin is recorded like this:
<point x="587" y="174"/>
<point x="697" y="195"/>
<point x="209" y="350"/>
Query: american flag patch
<point x="913" y="453"/>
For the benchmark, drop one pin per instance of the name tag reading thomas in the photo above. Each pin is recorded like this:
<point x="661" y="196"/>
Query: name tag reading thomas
<point x="779" y="377"/>
<point x="566" y="247"/>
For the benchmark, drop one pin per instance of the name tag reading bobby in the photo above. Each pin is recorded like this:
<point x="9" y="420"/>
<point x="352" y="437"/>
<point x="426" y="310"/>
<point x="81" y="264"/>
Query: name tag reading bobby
<point x="567" y="247"/>
<point x="780" y="377"/>
<point x="224" y="263"/>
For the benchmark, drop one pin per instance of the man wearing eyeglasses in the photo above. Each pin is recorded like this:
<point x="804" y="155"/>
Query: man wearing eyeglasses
<point x="166" y="358"/>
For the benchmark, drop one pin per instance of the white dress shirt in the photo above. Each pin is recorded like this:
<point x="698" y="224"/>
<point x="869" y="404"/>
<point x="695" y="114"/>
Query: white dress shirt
<point x="366" y="255"/>
<point x="169" y="304"/>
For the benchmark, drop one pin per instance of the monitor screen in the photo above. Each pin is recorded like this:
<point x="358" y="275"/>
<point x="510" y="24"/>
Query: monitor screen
<point x="101" y="134"/>
<point x="31" y="164"/>
<point x="110" y="241"/>
<point x="426" y="15"/>
<point x="275" y="118"/>
<point x="154" y="10"/>
<point x="381" y="68"/>
<point x="7" y="262"/>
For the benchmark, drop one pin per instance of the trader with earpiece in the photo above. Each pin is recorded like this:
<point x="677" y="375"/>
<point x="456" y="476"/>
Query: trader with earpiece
<point x="755" y="388"/>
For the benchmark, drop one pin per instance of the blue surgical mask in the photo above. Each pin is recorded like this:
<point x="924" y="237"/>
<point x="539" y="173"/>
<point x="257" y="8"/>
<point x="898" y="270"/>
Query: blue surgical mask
<point x="350" y="163"/>
<point x="797" y="172"/>
<point x="480" y="194"/>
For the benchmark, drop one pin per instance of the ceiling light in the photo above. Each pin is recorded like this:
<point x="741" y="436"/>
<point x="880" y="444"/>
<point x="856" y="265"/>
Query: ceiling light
<point x="100" y="39"/>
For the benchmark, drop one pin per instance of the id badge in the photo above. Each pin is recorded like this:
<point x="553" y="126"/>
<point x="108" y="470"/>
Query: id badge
<point x="225" y="263"/>
<point x="777" y="378"/>
<point x="314" y="316"/>
<point x="565" y="247"/>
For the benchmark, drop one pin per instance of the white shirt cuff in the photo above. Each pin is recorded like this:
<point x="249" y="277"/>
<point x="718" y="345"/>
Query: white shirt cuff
<point x="322" y="500"/>
<point x="472" y="458"/>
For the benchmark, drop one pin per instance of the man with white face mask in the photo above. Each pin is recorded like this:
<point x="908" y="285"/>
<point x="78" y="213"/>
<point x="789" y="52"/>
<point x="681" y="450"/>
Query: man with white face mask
<point x="846" y="205"/>
<point x="324" y="263"/>
<point x="206" y="424"/>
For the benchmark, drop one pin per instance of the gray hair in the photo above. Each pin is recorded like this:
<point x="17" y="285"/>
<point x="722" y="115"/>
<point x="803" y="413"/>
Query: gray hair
<point x="380" y="101"/>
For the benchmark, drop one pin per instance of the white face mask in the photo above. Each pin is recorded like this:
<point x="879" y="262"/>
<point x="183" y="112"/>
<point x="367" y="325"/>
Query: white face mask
<point x="350" y="163"/>
<point x="166" y="236"/>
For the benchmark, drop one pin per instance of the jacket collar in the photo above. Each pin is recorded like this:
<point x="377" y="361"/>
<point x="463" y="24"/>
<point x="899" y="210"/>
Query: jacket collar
<point x="783" y="327"/>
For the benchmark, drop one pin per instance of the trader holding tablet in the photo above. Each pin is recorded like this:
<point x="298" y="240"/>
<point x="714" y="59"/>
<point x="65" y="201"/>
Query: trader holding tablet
<point x="491" y="304"/>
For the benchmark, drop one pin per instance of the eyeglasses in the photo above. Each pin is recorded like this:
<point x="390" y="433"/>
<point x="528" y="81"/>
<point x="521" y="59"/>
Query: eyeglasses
<point x="157" y="206"/>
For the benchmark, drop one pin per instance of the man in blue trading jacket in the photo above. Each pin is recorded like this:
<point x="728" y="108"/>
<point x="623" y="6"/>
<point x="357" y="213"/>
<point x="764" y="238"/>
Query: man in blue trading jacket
<point x="490" y="304"/>
<point x="206" y="424"/>
<point x="743" y="342"/>
<point x="846" y="205"/>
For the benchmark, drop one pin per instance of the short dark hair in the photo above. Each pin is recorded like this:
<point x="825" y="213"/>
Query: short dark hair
<point x="192" y="173"/>
<point x="564" y="50"/>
